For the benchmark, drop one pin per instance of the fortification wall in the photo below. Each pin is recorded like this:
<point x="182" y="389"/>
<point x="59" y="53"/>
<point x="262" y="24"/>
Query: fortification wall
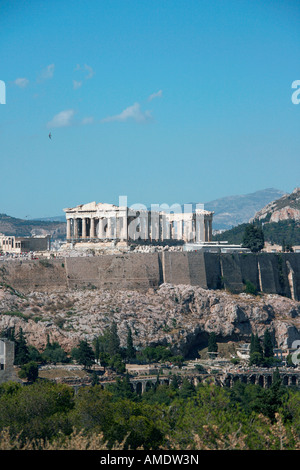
<point x="269" y="272"/>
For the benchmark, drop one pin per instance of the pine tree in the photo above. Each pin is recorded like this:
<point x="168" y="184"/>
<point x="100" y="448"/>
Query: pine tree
<point x="212" y="343"/>
<point x="256" y="351"/>
<point x="113" y="346"/>
<point x="268" y="345"/>
<point x="97" y="349"/>
<point x="85" y="354"/>
<point x="130" y="350"/>
<point x="21" y="349"/>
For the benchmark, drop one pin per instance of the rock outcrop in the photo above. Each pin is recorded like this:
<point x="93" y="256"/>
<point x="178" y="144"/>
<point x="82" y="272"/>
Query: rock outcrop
<point x="285" y="208"/>
<point x="181" y="316"/>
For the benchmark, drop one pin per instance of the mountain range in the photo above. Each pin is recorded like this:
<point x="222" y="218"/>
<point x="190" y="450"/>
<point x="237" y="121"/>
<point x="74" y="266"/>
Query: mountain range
<point x="229" y="211"/>
<point x="235" y="210"/>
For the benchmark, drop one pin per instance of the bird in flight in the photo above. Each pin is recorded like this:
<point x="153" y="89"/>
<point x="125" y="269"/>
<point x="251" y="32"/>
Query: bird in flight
<point x="50" y="136"/>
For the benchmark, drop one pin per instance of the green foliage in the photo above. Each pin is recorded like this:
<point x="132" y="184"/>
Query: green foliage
<point x="212" y="343"/>
<point x="21" y="349"/>
<point x="250" y="288"/>
<point x="165" y="416"/>
<point x="268" y="345"/>
<point x="54" y="353"/>
<point x="37" y="411"/>
<point x="117" y="364"/>
<point x="130" y="349"/>
<point x="29" y="371"/>
<point x="285" y="232"/>
<point x="155" y="354"/>
<point x="256" y="351"/>
<point x="262" y="354"/>
<point x="253" y="238"/>
<point x="84" y="354"/>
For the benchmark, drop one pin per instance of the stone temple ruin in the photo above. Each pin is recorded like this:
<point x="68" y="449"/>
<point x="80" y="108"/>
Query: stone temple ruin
<point x="124" y="226"/>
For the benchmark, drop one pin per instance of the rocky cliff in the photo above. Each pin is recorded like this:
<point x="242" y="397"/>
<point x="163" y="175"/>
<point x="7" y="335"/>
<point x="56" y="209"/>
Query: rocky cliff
<point x="181" y="316"/>
<point x="285" y="208"/>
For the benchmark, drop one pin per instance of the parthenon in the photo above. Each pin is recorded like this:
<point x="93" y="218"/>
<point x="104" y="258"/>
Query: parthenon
<point x="107" y="222"/>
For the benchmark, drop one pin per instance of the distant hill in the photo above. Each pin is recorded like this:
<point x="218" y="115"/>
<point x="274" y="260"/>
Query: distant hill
<point x="26" y="228"/>
<point x="280" y="221"/>
<point x="285" y="208"/>
<point x="231" y="211"/>
<point x="58" y="218"/>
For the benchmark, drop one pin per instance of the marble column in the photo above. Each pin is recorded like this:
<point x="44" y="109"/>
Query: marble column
<point x="200" y="228"/>
<point x="92" y="228"/>
<point x="124" y="228"/>
<point x="109" y="228"/>
<point x="75" y="228"/>
<point x="206" y="229"/>
<point x="68" y="229"/>
<point x="83" y="232"/>
<point x="210" y="229"/>
<point x="101" y="233"/>
<point x="179" y="229"/>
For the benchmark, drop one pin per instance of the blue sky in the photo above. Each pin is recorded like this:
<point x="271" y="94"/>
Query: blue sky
<point x="162" y="101"/>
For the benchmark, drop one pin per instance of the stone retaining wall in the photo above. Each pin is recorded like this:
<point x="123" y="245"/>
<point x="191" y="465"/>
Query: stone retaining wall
<point x="269" y="272"/>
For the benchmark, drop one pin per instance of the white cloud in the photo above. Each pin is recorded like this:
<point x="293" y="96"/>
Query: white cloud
<point x="86" y="67"/>
<point x="158" y="94"/>
<point x="90" y="71"/>
<point x="47" y="72"/>
<point x="62" y="119"/>
<point x="132" y="112"/>
<point x="87" y="120"/>
<point x="21" y="82"/>
<point x="76" y="84"/>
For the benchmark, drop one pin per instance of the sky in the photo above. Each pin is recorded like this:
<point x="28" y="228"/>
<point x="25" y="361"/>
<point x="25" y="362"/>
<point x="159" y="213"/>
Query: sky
<point x="162" y="101"/>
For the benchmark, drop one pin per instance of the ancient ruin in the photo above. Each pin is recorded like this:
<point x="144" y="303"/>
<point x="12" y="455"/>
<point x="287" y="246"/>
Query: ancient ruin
<point x="108" y="222"/>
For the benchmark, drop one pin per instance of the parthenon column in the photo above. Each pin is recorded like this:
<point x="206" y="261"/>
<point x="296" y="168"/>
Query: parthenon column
<point x="68" y="229"/>
<point x="200" y="228"/>
<point x="124" y="228"/>
<point x="210" y="229"/>
<point x="206" y="229"/>
<point x="179" y="229"/>
<point x="75" y="228"/>
<point x="109" y="228"/>
<point x="83" y="233"/>
<point x="92" y="228"/>
<point x="101" y="233"/>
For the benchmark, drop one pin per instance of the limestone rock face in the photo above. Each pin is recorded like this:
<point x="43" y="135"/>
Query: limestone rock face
<point x="181" y="316"/>
<point x="285" y="208"/>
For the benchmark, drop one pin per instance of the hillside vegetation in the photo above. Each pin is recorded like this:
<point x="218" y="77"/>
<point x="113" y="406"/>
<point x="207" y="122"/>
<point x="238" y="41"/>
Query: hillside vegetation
<point x="274" y="232"/>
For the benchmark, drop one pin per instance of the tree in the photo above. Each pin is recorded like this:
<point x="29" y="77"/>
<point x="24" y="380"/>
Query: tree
<point x="212" y="343"/>
<point x="130" y="350"/>
<point x="256" y="351"/>
<point x="113" y="346"/>
<point x="117" y="364"/>
<point x="54" y="353"/>
<point x="253" y="238"/>
<point x="84" y="354"/>
<point x="187" y="389"/>
<point x="268" y="345"/>
<point x="21" y="349"/>
<point x="96" y="343"/>
<point x="29" y="371"/>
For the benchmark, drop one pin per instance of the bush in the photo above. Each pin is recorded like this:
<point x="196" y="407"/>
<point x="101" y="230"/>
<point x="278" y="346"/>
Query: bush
<point x="29" y="371"/>
<point x="250" y="288"/>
